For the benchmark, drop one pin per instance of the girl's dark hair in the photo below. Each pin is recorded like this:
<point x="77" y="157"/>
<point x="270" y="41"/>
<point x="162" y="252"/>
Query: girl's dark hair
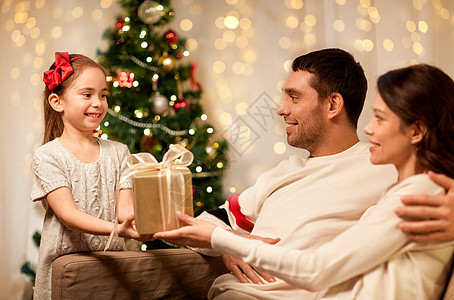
<point x="426" y="94"/>
<point x="53" y="124"/>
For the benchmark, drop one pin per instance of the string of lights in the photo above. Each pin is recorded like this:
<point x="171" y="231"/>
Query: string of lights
<point x="139" y="62"/>
<point x="147" y="125"/>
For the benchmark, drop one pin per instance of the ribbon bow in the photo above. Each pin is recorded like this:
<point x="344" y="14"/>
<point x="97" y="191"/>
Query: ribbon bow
<point x="54" y="77"/>
<point x="177" y="155"/>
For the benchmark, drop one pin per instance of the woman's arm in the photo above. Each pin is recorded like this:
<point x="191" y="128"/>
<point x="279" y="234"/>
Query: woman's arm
<point x="352" y="253"/>
<point x="372" y="241"/>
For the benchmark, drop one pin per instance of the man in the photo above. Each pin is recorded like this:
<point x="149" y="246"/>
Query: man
<point x="307" y="200"/>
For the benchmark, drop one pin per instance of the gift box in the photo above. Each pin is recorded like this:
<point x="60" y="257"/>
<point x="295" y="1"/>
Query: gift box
<point x="161" y="189"/>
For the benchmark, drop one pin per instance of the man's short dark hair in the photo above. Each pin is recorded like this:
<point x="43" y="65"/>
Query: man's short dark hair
<point x="335" y="70"/>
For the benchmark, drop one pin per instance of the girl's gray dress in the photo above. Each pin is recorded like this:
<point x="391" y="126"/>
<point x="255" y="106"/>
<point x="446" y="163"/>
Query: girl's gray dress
<point x="93" y="187"/>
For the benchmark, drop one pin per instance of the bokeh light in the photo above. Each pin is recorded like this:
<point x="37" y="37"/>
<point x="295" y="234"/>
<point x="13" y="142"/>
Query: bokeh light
<point x="229" y="36"/>
<point x="411" y="26"/>
<point x="285" y="42"/>
<point x="292" y="22"/>
<point x="77" y="12"/>
<point x="106" y="3"/>
<point x="245" y="23"/>
<point x="96" y="14"/>
<point x="241" y="108"/>
<point x="310" y="20"/>
<point x="14" y="73"/>
<point x="231" y="22"/>
<point x="339" y="25"/>
<point x="225" y="119"/>
<point x="219" y="23"/>
<point x="294" y="4"/>
<point x="423" y="26"/>
<point x="191" y="44"/>
<point x="220" y="44"/>
<point x="249" y="56"/>
<point x="241" y="42"/>
<point x="280" y="148"/>
<point x="186" y="25"/>
<point x="388" y="45"/>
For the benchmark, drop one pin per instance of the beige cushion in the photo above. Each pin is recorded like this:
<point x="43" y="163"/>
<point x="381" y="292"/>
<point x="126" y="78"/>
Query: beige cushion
<point x="155" y="274"/>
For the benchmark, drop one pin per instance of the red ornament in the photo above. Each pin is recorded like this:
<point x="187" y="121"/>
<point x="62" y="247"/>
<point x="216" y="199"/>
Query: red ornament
<point x="171" y="37"/>
<point x="120" y="23"/>
<point x="180" y="104"/>
<point x="125" y="79"/>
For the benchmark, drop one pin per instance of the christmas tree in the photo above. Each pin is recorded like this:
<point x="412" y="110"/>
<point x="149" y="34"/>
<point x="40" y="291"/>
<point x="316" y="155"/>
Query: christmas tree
<point x="155" y="99"/>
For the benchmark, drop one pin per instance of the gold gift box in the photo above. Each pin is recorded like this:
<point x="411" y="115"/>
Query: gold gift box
<point x="158" y="195"/>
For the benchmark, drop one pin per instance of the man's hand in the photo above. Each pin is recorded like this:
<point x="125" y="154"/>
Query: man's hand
<point x="195" y="233"/>
<point x="243" y="271"/>
<point x="429" y="218"/>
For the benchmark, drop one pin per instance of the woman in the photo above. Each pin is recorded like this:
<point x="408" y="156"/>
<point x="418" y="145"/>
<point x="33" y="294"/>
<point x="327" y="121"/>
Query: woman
<point x="412" y="129"/>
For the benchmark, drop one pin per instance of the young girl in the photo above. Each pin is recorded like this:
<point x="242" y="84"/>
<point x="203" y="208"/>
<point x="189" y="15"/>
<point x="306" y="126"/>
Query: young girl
<point x="413" y="129"/>
<point x="77" y="175"/>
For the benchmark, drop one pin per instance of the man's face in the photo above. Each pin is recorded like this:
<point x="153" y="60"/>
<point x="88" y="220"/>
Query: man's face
<point x="303" y="112"/>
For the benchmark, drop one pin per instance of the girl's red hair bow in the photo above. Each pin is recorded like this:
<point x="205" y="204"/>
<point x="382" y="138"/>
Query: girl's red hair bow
<point x="54" y="77"/>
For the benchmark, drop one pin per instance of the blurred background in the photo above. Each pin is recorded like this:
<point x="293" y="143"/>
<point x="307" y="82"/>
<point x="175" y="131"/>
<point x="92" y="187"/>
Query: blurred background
<point x="243" y="50"/>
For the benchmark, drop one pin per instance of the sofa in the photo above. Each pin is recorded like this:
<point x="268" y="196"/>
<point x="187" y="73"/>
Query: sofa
<point x="154" y="274"/>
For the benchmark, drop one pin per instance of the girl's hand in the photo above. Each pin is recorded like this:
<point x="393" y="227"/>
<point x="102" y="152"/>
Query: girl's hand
<point x="195" y="233"/>
<point x="128" y="230"/>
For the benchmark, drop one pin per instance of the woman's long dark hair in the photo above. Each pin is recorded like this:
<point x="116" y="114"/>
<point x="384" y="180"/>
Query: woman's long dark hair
<point x="426" y="94"/>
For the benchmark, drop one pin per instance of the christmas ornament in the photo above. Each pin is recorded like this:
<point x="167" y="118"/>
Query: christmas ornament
<point x="125" y="79"/>
<point x="171" y="37"/>
<point x="150" y="12"/>
<point x="97" y="133"/>
<point x="160" y="104"/>
<point x="167" y="62"/>
<point x="194" y="83"/>
<point x="211" y="152"/>
<point x="180" y="104"/>
<point x="120" y="23"/>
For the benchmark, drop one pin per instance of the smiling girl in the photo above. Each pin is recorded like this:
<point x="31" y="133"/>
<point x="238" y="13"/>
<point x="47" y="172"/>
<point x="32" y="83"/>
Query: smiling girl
<point x="77" y="175"/>
<point x="413" y="129"/>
